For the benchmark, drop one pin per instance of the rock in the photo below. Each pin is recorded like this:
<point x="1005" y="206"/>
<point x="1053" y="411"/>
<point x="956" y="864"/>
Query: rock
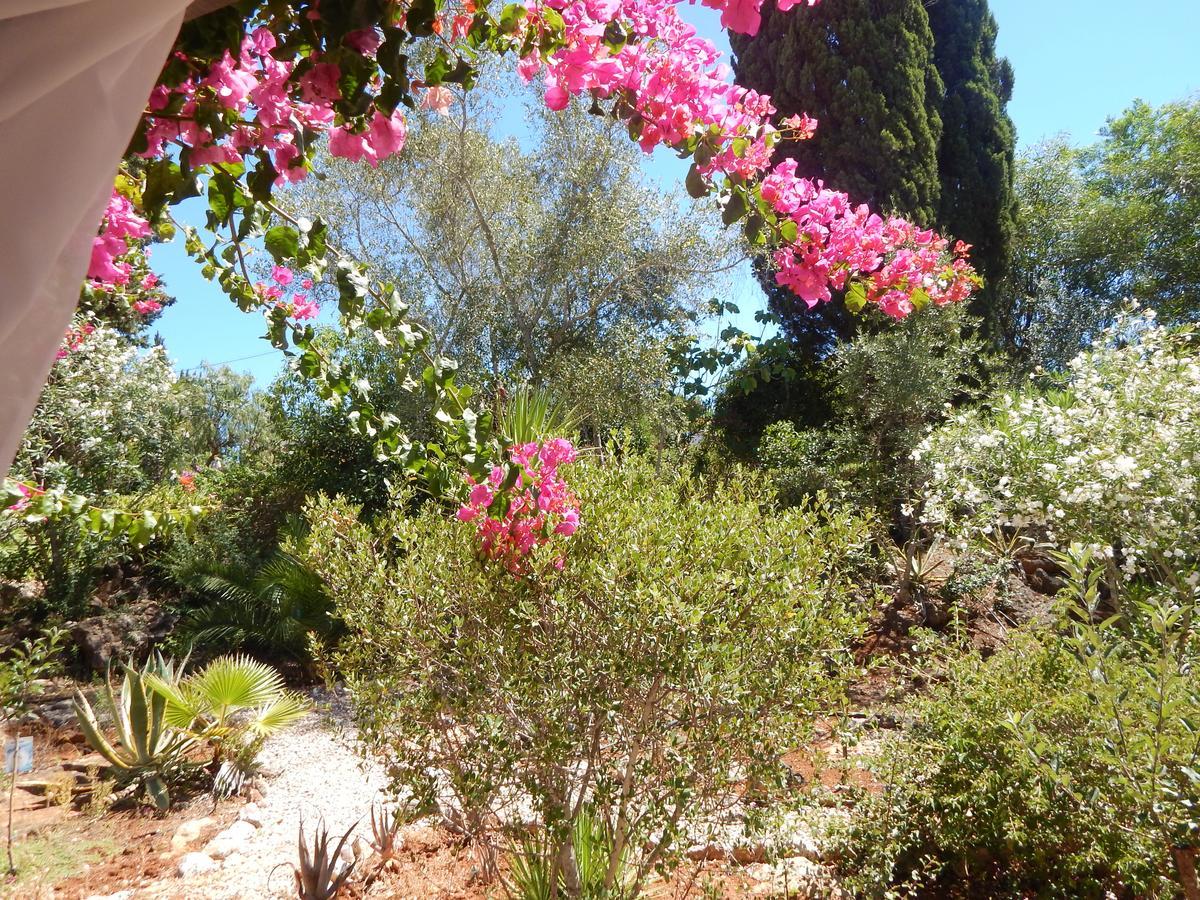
<point x="91" y="761"/>
<point x="252" y="814"/>
<point x="57" y="714"/>
<point x="130" y="631"/>
<point x="189" y="832"/>
<point x="796" y="838"/>
<point x="232" y="840"/>
<point x="796" y="877"/>
<point x="119" y="895"/>
<point x="194" y="864"/>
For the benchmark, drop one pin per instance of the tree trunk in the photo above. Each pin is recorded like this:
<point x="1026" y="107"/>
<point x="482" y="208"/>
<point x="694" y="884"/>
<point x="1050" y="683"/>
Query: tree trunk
<point x="1185" y="868"/>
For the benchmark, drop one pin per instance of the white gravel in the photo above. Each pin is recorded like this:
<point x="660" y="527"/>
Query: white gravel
<point x="311" y="771"/>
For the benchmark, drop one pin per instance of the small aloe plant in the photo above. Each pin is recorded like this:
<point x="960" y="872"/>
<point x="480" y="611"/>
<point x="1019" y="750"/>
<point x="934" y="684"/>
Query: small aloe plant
<point x="318" y="876"/>
<point x="146" y="748"/>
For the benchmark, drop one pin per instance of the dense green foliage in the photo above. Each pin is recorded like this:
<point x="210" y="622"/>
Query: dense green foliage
<point x="885" y="390"/>
<point x="688" y="630"/>
<point x="1100" y="224"/>
<point x="1062" y="766"/>
<point x="975" y="154"/>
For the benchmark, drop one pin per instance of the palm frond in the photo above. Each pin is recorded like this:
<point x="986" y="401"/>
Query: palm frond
<point x="279" y="713"/>
<point x="235" y="682"/>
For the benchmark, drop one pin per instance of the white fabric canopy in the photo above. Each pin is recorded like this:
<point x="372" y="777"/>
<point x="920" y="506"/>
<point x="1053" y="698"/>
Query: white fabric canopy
<point x="74" y="77"/>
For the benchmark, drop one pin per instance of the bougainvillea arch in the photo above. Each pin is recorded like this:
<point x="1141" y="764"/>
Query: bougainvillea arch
<point x="251" y="89"/>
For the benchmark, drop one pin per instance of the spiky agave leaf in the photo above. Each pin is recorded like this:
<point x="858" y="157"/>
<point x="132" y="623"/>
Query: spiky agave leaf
<point x="534" y="414"/>
<point x="317" y="877"/>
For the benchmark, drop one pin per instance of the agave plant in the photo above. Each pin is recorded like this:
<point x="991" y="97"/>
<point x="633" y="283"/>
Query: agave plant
<point x="533" y="414"/>
<point x="148" y="747"/>
<point x="385" y="830"/>
<point x="232" y="704"/>
<point x="318" y="876"/>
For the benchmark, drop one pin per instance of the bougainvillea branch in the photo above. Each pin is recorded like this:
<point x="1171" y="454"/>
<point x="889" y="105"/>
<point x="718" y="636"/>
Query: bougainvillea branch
<point x="252" y="89"/>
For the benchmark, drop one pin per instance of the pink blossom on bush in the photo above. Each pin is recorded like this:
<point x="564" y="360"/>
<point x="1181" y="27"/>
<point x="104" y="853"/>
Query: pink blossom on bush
<point x="539" y="504"/>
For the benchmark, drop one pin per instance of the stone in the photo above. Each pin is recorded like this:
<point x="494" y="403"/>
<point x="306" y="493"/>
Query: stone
<point x="795" y="877"/>
<point x="232" y="840"/>
<point x="128" y="632"/>
<point x="58" y="713"/>
<point x="126" y="894"/>
<point x="253" y="814"/>
<point x="195" y="864"/>
<point x="189" y="832"/>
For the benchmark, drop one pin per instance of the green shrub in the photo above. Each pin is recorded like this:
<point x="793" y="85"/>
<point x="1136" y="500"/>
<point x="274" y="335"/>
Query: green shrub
<point x="1108" y="455"/>
<point x="886" y="387"/>
<point x="1057" y="768"/>
<point x="686" y="644"/>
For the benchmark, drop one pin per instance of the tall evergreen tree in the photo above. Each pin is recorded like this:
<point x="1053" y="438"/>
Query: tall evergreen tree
<point x="976" y="154"/>
<point x="865" y="69"/>
<point x="911" y="102"/>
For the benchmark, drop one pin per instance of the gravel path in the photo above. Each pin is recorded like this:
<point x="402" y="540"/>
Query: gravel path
<point x="311" y="771"/>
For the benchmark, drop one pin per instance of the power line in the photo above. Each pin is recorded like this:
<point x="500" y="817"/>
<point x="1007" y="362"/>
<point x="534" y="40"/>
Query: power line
<point x="208" y="365"/>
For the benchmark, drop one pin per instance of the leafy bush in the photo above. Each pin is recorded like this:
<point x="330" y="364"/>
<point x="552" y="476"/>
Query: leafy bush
<point x="1058" y="767"/>
<point x="279" y="607"/>
<point x="888" y="386"/>
<point x="684" y="646"/>
<point x="1107" y="456"/>
<point x="800" y="463"/>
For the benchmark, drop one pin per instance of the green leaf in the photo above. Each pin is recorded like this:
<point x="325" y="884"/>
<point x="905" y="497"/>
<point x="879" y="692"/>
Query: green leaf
<point x="856" y="297"/>
<point x="282" y="242"/>
<point x="734" y="209"/>
<point x="696" y="186"/>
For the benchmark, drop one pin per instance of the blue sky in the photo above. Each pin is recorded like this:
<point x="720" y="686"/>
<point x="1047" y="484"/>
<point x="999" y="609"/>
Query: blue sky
<point x="1077" y="62"/>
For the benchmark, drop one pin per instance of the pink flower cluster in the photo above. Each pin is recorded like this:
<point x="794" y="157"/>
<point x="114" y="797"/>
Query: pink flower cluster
<point x="836" y="241"/>
<point x="540" y="504"/>
<point x="678" y="91"/>
<point x="665" y="80"/>
<point x="120" y="223"/>
<point x="274" y="110"/>
<point x="298" y="306"/>
<point x="74" y="339"/>
<point x="28" y="492"/>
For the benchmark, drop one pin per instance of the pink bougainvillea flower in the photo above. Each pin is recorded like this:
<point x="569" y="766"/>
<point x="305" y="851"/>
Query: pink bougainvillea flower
<point x="303" y="308"/>
<point x="438" y="99"/>
<point x="145" y="307"/>
<point x="282" y="275"/>
<point x="540" y="505"/>
<point x="320" y="83"/>
<point x="366" y="41"/>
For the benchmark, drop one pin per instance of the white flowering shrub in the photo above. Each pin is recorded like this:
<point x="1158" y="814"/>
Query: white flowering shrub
<point x="1106" y="454"/>
<point x="105" y="421"/>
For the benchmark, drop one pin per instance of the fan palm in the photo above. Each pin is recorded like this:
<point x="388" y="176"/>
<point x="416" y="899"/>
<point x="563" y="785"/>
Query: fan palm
<point x="233" y="704"/>
<point x="274" y="609"/>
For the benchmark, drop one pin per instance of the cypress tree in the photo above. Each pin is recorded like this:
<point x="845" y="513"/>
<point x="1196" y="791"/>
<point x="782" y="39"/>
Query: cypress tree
<point x="911" y="102"/>
<point x="865" y="69"/>
<point x="976" y="154"/>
